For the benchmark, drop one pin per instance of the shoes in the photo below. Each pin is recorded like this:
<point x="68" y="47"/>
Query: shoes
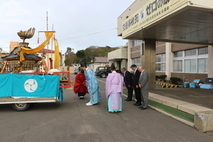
<point x="137" y="104"/>
<point x="128" y="100"/>
<point x="81" y="97"/>
<point x="142" y="108"/>
<point x="112" y="111"/>
<point x="89" y="104"/>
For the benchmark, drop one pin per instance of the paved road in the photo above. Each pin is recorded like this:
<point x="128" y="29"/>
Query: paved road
<point x="72" y="121"/>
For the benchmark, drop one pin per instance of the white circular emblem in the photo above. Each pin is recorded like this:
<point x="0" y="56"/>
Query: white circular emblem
<point x="30" y="85"/>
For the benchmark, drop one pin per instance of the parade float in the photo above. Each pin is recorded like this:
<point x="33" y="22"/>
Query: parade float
<point x="26" y="77"/>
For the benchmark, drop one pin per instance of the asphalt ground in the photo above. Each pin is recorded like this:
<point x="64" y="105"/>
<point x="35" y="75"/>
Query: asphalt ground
<point x="73" y="121"/>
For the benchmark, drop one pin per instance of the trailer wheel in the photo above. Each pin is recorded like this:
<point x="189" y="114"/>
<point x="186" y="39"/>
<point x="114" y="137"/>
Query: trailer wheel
<point x="20" y="106"/>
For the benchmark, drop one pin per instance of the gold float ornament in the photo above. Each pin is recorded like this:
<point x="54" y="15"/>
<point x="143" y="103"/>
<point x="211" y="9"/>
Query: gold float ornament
<point x="26" y="34"/>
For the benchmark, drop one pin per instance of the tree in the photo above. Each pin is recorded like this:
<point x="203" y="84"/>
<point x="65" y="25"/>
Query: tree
<point x="91" y="52"/>
<point x="70" y="57"/>
<point x="80" y="55"/>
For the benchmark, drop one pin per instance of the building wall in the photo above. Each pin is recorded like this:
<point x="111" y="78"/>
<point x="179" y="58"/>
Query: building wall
<point x="119" y="58"/>
<point x="182" y="46"/>
<point x="186" y="77"/>
<point x="118" y="54"/>
<point x="160" y="47"/>
<point x="128" y="12"/>
<point x="13" y="44"/>
<point x="189" y="77"/>
<point x="136" y="51"/>
<point x="129" y="60"/>
<point x="210" y="61"/>
<point x="208" y="3"/>
<point x="160" y="73"/>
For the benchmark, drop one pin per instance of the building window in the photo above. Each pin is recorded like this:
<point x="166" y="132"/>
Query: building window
<point x="177" y="65"/>
<point x="160" y="62"/>
<point x="203" y="50"/>
<point x="136" y="61"/>
<point x="160" y="67"/>
<point x="178" y="54"/>
<point x="191" y="61"/>
<point x="161" y="58"/>
<point x="136" y="42"/>
<point x="190" y="66"/>
<point x="191" y="52"/>
<point x="202" y="65"/>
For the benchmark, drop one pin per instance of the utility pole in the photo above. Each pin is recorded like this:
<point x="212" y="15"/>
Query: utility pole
<point x="47" y="46"/>
<point x="47" y="55"/>
<point x="47" y="20"/>
<point x="52" y="41"/>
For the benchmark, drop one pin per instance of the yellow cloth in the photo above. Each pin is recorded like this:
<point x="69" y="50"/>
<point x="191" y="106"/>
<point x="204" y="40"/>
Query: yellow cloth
<point x="37" y="49"/>
<point x="57" y="56"/>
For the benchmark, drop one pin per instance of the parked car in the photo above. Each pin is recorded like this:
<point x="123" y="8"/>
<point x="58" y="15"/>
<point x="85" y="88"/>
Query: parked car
<point x="102" y="71"/>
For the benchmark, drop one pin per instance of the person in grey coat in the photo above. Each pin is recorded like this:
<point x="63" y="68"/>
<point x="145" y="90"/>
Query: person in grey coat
<point x="144" y="87"/>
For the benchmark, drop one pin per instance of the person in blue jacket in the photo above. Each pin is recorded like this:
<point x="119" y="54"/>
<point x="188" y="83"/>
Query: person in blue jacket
<point x="92" y="85"/>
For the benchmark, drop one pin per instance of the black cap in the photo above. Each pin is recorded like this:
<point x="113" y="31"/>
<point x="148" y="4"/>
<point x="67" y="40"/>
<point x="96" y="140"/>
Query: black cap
<point x="133" y="66"/>
<point x="83" y="64"/>
<point x="113" y="66"/>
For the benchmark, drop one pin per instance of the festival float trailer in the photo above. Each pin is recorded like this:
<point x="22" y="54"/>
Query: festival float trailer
<point x="25" y="78"/>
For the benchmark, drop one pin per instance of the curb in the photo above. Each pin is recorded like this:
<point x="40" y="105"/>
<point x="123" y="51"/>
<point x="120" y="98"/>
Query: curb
<point x="168" y="114"/>
<point x="175" y="117"/>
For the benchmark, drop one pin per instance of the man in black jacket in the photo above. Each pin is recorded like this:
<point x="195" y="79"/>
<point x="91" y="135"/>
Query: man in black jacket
<point x="128" y="83"/>
<point x="135" y="84"/>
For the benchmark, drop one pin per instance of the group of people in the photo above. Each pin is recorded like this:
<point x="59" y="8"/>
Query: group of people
<point x="86" y="82"/>
<point x="139" y="82"/>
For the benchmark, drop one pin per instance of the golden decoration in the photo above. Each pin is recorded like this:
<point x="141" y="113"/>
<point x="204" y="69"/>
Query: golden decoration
<point x="26" y="34"/>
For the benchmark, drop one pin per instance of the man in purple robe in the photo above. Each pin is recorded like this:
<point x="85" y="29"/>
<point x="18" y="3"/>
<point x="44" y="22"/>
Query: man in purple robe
<point x="114" y="90"/>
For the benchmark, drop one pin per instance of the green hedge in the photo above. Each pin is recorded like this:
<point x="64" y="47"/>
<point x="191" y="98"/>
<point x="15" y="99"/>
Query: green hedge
<point x="162" y="77"/>
<point x="175" y="80"/>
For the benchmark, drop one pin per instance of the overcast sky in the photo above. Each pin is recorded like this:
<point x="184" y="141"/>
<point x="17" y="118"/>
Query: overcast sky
<point x="78" y="23"/>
